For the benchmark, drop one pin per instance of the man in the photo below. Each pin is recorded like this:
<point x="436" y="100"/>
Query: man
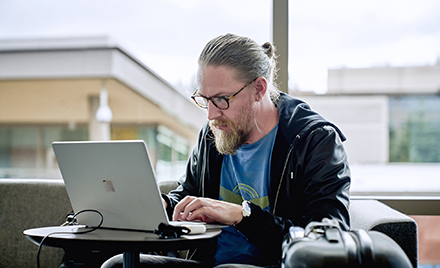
<point x="260" y="146"/>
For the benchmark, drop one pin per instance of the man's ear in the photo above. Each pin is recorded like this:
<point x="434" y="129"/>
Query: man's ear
<point x="260" y="88"/>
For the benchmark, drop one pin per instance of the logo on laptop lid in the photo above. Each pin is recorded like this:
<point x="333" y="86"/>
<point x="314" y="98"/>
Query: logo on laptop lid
<point x="108" y="185"/>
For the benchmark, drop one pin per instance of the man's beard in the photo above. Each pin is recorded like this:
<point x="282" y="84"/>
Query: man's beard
<point x="229" y="141"/>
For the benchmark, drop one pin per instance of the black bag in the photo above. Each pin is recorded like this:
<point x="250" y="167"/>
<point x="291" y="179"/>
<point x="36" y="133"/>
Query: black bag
<point x="324" y="244"/>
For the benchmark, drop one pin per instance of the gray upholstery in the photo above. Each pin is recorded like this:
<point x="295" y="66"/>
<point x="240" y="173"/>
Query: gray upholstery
<point x="29" y="203"/>
<point x="374" y="215"/>
<point x="25" y="204"/>
<point x="167" y="186"/>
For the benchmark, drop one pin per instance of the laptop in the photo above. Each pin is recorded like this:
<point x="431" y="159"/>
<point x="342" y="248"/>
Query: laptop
<point x="115" y="178"/>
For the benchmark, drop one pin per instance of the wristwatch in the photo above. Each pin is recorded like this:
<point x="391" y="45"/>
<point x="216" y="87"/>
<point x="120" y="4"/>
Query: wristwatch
<point x="246" y="209"/>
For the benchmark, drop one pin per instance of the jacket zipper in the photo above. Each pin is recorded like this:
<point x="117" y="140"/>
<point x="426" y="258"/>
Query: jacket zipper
<point x="204" y="166"/>
<point x="283" y="175"/>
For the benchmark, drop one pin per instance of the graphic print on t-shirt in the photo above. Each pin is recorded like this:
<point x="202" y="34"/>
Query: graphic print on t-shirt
<point x="243" y="192"/>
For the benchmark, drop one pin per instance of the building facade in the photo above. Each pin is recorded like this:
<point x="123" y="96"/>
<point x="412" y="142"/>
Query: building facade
<point x="51" y="89"/>
<point x="389" y="114"/>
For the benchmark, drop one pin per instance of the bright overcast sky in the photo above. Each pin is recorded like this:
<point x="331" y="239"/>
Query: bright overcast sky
<point x="168" y="35"/>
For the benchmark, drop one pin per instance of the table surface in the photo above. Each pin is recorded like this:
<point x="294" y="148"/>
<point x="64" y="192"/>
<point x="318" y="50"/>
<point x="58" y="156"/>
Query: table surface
<point x="71" y="236"/>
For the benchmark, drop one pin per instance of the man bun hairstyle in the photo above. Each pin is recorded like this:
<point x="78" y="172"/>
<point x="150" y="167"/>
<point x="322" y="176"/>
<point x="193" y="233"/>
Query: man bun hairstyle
<point x="269" y="49"/>
<point x="244" y="55"/>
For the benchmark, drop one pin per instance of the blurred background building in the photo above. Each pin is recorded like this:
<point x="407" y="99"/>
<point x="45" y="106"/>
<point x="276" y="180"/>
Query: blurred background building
<point x="391" y="114"/>
<point x="52" y="89"/>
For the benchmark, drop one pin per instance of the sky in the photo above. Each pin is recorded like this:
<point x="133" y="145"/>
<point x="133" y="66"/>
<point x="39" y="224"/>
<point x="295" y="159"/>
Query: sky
<point x="168" y="35"/>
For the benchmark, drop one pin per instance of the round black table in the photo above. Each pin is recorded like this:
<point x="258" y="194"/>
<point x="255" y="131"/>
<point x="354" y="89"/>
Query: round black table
<point x="131" y="243"/>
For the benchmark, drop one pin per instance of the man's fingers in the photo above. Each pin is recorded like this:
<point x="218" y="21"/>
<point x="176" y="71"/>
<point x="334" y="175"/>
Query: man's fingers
<point x="181" y="210"/>
<point x="178" y="209"/>
<point x="191" y="209"/>
<point x="208" y="210"/>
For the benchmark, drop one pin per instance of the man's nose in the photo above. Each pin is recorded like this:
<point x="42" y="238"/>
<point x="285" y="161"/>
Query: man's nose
<point x="213" y="111"/>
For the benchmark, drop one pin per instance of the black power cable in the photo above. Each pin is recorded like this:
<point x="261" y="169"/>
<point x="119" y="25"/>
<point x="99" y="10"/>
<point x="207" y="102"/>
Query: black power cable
<point x="70" y="221"/>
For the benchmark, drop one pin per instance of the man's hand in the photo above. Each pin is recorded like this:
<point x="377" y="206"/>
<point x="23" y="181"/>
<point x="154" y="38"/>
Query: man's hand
<point x="207" y="210"/>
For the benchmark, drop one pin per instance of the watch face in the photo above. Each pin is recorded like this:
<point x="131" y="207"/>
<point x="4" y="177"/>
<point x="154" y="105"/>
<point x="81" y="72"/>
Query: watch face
<point x="246" y="209"/>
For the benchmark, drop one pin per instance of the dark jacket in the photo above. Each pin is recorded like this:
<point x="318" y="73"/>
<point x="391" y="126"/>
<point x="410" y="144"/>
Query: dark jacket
<point x="310" y="177"/>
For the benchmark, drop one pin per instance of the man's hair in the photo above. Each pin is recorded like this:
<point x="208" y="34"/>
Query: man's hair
<point x="244" y="55"/>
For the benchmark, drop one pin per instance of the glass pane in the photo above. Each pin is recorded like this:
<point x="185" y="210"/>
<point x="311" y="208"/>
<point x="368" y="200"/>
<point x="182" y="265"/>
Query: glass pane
<point x="5" y="147"/>
<point x="415" y="129"/>
<point x="26" y="151"/>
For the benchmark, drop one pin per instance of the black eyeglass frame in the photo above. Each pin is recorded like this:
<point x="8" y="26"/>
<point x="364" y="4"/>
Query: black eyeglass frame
<point x="225" y="98"/>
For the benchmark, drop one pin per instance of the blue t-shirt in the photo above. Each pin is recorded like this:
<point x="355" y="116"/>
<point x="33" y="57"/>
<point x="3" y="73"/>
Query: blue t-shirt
<point x="244" y="176"/>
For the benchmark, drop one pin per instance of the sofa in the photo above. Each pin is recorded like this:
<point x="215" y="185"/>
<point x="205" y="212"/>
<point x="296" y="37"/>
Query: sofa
<point x="31" y="203"/>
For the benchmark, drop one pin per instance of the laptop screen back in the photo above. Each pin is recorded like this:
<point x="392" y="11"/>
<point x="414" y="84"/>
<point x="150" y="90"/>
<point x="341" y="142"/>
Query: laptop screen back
<point x="114" y="177"/>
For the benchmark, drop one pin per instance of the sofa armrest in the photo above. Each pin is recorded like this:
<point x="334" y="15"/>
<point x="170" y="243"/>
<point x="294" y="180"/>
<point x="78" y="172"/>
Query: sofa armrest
<point x="373" y="215"/>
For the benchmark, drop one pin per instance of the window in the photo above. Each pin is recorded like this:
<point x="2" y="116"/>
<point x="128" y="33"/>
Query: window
<point x="414" y="129"/>
<point x="173" y="154"/>
<point x="26" y="148"/>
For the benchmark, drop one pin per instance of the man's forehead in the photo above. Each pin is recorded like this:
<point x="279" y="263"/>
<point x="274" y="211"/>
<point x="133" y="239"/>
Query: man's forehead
<point x="223" y="72"/>
<point x="217" y="79"/>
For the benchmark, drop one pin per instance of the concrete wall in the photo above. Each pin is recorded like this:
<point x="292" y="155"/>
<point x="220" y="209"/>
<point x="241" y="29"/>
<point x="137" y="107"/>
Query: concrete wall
<point x="363" y="120"/>
<point x="385" y="80"/>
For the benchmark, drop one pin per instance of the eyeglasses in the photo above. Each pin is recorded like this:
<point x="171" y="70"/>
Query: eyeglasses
<point x="221" y="102"/>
